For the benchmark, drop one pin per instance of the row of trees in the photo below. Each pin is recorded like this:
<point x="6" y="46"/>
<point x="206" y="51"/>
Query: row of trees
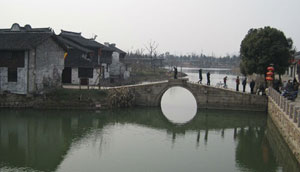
<point x="259" y="49"/>
<point x="192" y="60"/>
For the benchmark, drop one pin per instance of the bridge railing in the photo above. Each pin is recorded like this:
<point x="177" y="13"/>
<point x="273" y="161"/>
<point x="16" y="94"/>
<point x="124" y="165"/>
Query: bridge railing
<point x="292" y="109"/>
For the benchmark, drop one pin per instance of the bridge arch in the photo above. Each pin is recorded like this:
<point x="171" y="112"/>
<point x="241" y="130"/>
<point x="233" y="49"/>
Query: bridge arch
<point x="158" y="97"/>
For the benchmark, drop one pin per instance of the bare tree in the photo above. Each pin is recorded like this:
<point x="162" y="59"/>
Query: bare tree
<point x="139" y="52"/>
<point x="152" y="48"/>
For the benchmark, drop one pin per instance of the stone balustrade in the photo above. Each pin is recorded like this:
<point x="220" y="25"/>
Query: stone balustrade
<point x="286" y="116"/>
<point x="291" y="109"/>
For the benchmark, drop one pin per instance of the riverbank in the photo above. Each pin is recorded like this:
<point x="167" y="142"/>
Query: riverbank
<point x="58" y="99"/>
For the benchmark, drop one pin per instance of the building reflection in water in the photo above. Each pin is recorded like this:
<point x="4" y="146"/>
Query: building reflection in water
<point x="41" y="141"/>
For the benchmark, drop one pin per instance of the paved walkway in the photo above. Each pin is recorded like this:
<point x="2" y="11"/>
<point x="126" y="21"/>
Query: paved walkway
<point x="84" y="87"/>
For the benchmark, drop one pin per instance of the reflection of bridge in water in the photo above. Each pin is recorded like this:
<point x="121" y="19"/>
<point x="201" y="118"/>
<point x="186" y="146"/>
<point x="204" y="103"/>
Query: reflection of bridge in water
<point x="206" y="96"/>
<point x="40" y="141"/>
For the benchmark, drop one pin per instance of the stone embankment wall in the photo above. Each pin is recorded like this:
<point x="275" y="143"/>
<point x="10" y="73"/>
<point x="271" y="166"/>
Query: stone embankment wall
<point x="286" y="116"/>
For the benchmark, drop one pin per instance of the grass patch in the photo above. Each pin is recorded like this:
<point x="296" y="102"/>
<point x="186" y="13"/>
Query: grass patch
<point x="72" y="94"/>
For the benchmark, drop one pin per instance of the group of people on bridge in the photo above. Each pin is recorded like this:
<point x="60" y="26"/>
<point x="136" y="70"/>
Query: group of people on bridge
<point x="287" y="89"/>
<point x="244" y="82"/>
<point x="200" y="77"/>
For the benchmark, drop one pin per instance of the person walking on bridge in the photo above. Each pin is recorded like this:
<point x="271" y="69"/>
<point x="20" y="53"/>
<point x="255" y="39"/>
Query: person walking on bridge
<point x="237" y="83"/>
<point x="175" y="72"/>
<point x="225" y="81"/>
<point x="208" y="78"/>
<point x="200" y="76"/>
<point x="244" y="84"/>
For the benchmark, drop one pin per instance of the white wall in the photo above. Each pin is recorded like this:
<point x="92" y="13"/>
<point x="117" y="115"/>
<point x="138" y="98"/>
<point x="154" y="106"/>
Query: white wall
<point x="19" y="87"/>
<point x="96" y="78"/>
<point x="75" y="79"/>
<point x="49" y="65"/>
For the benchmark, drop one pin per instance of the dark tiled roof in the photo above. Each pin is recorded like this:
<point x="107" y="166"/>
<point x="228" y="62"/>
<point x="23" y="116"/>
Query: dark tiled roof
<point x="27" y="28"/>
<point x="25" y="40"/>
<point x="88" y="43"/>
<point x="69" y="44"/>
<point x="32" y="30"/>
<point x="22" y="40"/>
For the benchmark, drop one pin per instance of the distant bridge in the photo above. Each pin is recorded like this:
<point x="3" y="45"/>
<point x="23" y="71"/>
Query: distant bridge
<point x="207" y="97"/>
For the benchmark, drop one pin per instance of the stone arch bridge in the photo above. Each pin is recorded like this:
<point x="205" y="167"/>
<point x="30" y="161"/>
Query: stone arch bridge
<point x="207" y="97"/>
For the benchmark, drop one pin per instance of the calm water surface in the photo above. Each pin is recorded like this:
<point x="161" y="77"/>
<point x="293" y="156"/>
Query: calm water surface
<point x="137" y="140"/>
<point x="217" y="75"/>
<point x="175" y="137"/>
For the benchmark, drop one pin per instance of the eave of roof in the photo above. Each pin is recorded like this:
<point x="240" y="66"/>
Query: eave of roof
<point x="116" y="49"/>
<point x="88" y="43"/>
<point x="69" y="44"/>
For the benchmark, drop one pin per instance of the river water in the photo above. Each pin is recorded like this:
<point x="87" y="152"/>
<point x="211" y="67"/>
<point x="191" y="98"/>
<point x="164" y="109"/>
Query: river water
<point x="176" y="137"/>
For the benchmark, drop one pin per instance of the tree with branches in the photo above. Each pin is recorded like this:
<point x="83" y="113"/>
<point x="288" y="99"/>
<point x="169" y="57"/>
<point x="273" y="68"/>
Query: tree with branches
<point x="151" y="47"/>
<point x="262" y="47"/>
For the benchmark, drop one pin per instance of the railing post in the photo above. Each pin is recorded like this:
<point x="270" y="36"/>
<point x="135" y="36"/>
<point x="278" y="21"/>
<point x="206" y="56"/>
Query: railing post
<point x="295" y="114"/>
<point x="284" y="105"/>
<point x="296" y="111"/>
<point x="278" y="99"/>
<point x="298" y="118"/>
<point x="288" y="106"/>
<point x="291" y="109"/>
<point x="281" y="102"/>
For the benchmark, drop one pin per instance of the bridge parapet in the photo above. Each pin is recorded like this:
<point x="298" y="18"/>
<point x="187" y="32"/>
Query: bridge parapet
<point x="178" y="81"/>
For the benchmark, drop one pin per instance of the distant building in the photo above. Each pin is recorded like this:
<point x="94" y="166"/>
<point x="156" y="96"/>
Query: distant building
<point x="87" y="61"/>
<point x="294" y="69"/>
<point x="118" y="69"/>
<point x="144" y="61"/>
<point x="31" y="59"/>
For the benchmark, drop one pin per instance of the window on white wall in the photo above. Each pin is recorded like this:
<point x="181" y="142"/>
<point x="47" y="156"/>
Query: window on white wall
<point x="12" y="75"/>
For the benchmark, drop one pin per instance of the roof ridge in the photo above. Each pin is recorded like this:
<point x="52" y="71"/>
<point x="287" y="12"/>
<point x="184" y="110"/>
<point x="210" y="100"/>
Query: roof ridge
<point x="70" y="33"/>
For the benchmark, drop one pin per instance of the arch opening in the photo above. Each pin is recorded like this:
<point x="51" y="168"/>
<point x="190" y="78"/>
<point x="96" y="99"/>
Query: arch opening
<point x="178" y="105"/>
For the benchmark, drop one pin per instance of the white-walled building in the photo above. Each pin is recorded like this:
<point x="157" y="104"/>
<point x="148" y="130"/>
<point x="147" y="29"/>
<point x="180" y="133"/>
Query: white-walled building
<point x="31" y="59"/>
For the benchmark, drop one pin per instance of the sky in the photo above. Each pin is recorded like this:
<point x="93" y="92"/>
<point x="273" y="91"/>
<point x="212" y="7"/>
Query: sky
<point x="211" y="27"/>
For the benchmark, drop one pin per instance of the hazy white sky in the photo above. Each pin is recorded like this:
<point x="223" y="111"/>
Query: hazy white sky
<point x="179" y="26"/>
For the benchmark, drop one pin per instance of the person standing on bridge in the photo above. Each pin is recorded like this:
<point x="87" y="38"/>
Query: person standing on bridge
<point x="225" y="81"/>
<point x="252" y="84"/>
<point x="237" y="83"/>
<point x="200" y="76"/>
<point x="208" y="78"/>
<point x="244" y="84"/>
<point x="175" y="72"/>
